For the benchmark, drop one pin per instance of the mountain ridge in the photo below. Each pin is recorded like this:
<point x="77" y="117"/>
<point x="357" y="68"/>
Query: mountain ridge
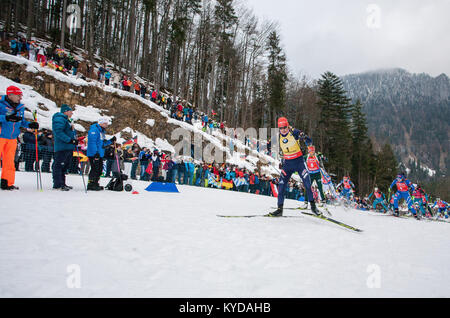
<point x="410" y="111"/>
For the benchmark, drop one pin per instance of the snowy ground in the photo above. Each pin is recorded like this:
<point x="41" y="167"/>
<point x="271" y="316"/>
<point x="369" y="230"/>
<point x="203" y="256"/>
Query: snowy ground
<point x="173" y="245"/>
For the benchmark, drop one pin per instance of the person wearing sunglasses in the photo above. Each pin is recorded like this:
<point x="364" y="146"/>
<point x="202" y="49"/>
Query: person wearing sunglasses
<point x="292" y="162"/>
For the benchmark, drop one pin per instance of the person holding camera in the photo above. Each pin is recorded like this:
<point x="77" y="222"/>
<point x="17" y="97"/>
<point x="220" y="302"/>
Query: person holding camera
<point x="96" y="151"/>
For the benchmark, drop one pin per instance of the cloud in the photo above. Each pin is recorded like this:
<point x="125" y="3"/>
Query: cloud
<point x="351" y="36"/>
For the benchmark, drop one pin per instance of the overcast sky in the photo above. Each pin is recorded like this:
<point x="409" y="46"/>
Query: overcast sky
<point x="352" y="36"/>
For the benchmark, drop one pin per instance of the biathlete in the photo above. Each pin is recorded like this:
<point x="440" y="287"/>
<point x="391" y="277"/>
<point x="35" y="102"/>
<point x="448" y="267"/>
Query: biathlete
<point x="292" y="162"/>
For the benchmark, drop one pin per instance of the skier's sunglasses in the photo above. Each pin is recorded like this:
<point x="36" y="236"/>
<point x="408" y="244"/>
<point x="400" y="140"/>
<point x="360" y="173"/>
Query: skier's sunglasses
<point x="286" y="127"/>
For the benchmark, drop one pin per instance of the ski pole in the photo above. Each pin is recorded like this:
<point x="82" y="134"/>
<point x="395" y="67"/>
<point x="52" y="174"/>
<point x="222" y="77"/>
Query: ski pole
<point x="38" y="167"/>
<point x="81" y="170"/>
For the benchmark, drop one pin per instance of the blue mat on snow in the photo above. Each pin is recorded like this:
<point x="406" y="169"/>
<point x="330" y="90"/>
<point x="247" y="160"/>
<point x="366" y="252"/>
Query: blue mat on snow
<point x="162" y="187"/>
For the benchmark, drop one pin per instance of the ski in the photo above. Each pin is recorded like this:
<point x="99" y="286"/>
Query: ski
<point x="304" y="209"/>
<point x="379" y="214"/>
<point x="256" y="216"/>
<point x="292" y="209"/>
<point x="322" y="217"/>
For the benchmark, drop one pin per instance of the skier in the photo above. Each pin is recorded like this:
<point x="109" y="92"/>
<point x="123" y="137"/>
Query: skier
<point x="313" y="161"/>
<point x="12" y="114"/>
<point x="403" y="185"/>
<point x="379" y="199"/>
<point x="419" y="199"/>
<point x="442" y="207"/>
<point x="293" y="162"/>
<point x="347" y="187"/>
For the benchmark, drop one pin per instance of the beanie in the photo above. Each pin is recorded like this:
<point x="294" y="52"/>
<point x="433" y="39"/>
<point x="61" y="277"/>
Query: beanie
<point x="65" y="108"/>
<point x="13" y="90"/>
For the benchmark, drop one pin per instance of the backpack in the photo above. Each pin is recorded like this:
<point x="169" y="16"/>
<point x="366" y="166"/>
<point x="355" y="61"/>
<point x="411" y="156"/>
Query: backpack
<point x="116" y="184"/>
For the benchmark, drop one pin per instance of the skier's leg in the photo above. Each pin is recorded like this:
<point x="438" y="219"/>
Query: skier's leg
<point x="282" y="185"/>
<point x="407" y="197"/>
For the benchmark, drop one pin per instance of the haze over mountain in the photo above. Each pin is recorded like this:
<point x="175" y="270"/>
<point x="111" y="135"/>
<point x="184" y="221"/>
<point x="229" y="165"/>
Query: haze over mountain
<point x="411" y="111"/>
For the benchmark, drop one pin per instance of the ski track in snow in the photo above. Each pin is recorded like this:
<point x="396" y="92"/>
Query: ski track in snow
<point x="174" y="245"/>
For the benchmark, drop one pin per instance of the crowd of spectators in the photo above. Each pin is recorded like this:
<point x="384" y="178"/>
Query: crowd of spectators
<point x="150" y="165"/>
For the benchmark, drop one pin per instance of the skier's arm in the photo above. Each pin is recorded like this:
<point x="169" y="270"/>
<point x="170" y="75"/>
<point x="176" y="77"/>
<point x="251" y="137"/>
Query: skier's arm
<point x="298" y="134"/>
<point x="392" y="185"/>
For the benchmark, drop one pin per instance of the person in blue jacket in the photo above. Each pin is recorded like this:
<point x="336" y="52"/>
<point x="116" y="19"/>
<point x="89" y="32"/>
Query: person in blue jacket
<point x="403" y="186"/>
<point x="189" y="172"/>
<point x="107" y="77"/>
<point x="347" y="187"/>
<point x="12" y="118"/>
<point x="379" y="198"/>
<point x="65" y="144"/>
<point x="14" y="46"/>
<point x="95" y="152"/>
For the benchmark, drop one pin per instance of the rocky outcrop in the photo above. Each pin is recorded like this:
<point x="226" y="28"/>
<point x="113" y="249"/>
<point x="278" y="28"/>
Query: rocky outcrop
<point x="126" y="111"/>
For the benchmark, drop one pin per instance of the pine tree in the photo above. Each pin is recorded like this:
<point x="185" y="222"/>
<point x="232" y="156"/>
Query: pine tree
<point x="335" y="137"/>
<point x="277" y="77"/>
<point x="362" y="152"/>
<point x="386" y="168"/>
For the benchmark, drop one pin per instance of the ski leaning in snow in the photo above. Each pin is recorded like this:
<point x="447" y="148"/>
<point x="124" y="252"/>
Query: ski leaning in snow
<point x="322" y="217"/>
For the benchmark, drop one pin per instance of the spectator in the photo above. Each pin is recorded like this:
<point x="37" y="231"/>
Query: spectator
<point x="107" y="77"/>
<point x="143" y="90"/>
<point x="95" y="152"/>
<point x="156" y="163"/>
<point x="65" y="143"/>
<point x="46" y="149"/>
<point x="137" y="88"/>
<point x="12" y="119"/>
<point x="135" y="160"/>
<point x="109" y="157"/>
<point x="144" y="157"/>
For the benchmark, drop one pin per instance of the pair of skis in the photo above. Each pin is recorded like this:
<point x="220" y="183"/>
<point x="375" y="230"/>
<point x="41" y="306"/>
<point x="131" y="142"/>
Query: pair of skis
<point x="321" y="217"/>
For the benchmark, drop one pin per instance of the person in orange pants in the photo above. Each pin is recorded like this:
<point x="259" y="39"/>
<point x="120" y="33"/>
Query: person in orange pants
<point x="12" y="119"/>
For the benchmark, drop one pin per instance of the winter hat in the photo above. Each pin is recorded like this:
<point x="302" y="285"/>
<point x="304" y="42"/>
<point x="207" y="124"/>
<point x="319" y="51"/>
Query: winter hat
<point x="103" y="120"/>
<point x="13" y="90"/>
<point x="283" y="122"/>
<point x="65" y="108"/>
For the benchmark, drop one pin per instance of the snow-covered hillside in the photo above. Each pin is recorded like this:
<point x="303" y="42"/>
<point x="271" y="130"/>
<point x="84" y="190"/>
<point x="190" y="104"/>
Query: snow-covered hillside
<point x="174" y="245"/>
<point x="33" y="100"/>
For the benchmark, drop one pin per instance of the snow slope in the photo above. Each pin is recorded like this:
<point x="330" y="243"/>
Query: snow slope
<point x="88" y="113"/>
<point x="173" y="245"/>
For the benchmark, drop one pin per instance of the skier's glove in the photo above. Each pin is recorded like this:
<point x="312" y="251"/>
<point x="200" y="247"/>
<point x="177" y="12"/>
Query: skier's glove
<point x="113" y="139"/>
<point x="74" y="142"/>
<point x="97" y="156"/>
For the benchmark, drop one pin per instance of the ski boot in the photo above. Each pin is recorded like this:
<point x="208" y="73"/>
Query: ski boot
<point x="5" y="186"/>
<point x="277" y="213"/>
<point x="314" y="209"/>
<point x="94" y="187"/>
<point x="396" y="214"/>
